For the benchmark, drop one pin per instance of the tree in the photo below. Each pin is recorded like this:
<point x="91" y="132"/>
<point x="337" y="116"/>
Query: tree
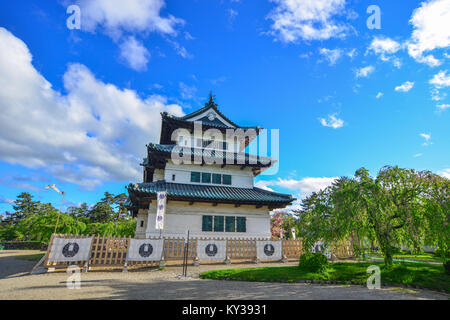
<point x="390" y="210"/>
<point x="437" y="213"/>
<point x="275" y="224"/>
<point x="24" y="206"/>
<point x="282" y="221"/>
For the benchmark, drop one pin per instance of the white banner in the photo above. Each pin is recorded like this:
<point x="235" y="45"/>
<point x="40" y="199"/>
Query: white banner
<point x="211" y="249"/>
<point x="160" y="209"/>
<point x="145" y="250"/>
<point x="269" y="250"/>
<point x="64" y="250"/>
<point x="319" y="246"/>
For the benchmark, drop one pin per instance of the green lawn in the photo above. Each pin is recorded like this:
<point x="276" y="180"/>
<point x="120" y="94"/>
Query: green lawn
<point x="425" y="257"/>
<point x="420" y="274"/>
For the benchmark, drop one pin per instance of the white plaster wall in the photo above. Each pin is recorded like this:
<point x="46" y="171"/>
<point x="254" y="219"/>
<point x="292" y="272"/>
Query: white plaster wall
<point x="240" y="178"/>
<point x="158" y="175"/>
<point x="181" y="216"/>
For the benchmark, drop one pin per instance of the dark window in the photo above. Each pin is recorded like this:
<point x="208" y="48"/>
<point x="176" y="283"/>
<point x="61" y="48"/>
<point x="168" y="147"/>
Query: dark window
<point x="241" y="224"/>
<point x="195" y="176"/>
<point x="218" y="224"/>
<point x="226" y="179"/>
<point x="207" y="223"/>
<point x="173" y="177"/>
<point x="142" y="223"/>
<point x="216" y="178"/>
<point x="207" y="143"/>
<point x="225" y="145"/>
<point x="230" y="224"/>
<point x="206" y="177"/>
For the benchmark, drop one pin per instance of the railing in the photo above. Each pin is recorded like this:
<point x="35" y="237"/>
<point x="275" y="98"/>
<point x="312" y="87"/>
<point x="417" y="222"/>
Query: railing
<point x="111" y="252"/>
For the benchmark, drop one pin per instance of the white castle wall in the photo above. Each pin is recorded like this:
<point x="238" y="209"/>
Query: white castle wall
<point x="240" y="178"/>
<point x="181" y="216"/>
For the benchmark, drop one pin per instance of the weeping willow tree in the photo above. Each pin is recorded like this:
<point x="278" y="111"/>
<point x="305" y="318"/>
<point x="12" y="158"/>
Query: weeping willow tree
<point x="400" y="207"/>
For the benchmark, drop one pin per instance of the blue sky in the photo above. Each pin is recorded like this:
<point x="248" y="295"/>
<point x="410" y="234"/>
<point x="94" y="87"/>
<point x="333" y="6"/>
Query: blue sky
<point x="78" y="106"/>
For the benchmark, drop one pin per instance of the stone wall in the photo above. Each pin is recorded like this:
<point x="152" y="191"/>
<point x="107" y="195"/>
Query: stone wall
<point x="16" y="245"/>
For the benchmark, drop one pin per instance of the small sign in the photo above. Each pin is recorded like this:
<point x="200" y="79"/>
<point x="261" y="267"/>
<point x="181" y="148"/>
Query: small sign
<point x="161" y="204"/>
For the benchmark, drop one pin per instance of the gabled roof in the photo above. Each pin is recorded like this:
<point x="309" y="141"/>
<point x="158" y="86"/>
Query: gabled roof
<point x="170" y="123"/>
<point x="207" y="193"/>
<point x="211" y="105"/>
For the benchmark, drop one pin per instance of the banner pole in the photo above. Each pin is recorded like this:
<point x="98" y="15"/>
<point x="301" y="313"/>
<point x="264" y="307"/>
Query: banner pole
<point x="186" y="251"/>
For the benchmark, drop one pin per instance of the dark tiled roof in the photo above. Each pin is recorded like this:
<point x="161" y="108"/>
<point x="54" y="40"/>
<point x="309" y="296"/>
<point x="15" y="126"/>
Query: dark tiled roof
<point x="205" y="122"/>
<point x="211" y="105"/>
<point x="237" y="158"/>
<point x="208" y="193"/>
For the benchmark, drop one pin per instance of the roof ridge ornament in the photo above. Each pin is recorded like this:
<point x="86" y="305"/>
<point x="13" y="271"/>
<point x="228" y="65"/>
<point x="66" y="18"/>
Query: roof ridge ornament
<point x="211" y="100"/>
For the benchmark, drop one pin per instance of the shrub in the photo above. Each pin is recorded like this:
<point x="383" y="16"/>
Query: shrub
<point x="439" y="253"/>
<point x="447" y="267"/>
<point x="314" y="262"/>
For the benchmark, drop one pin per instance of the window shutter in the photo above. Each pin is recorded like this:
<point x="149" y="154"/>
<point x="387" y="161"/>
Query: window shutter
<point x="206" y="177"/>
<point x="195" y="176"/>
<point x="230" y="224"/>
<point x="216" y="178"/>
<point x="207" y="222"/>
<point x="241" y="224"/>
<point x="226" y="179"/>
<point x="218" y="224"/>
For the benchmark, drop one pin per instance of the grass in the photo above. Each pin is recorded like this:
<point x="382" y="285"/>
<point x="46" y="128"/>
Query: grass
<point x="415" y="274"/>
<point x="31" y="257"/>
<point x="424" y="256"/>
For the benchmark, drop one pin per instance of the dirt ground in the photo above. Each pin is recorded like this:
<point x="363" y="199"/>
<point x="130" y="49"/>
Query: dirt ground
<point x="17" y="283"/>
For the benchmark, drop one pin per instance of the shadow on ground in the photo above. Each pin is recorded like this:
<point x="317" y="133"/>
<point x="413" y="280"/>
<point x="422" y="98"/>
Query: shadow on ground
<point x="14" y="265"/>
<point x="226" y="290"/>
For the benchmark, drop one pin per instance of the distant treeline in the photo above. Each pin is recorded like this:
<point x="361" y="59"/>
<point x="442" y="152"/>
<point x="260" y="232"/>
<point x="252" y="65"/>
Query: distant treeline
<point x="35" y="221"/>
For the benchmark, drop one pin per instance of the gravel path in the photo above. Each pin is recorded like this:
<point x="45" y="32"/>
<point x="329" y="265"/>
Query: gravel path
<point x="15" y="284"/>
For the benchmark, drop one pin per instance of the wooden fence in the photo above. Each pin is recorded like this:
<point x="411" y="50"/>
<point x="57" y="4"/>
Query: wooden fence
<point x="111" y="252"/>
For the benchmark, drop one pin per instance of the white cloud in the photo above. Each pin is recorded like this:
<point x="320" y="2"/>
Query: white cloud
<point x="331" y="55"/>
<point x="431" y="23"/>
<point x="115" y="17"/>
<point x="94" y="133"/>
<point x="443" y="106"/>
<point x="379" y="95"/>
<point x="264" y="185"/>
<point x="418" y="155"/>
<point x="364" y="72"/>
<point x="134" y="53"/>
<point x="7" y="201"/>
<point x="187" y="92"/>
<point x="123" y="20"/>
<point x="385" y="48"/>
<point x="352" y="53"/>
<point x="445" y="173"/>
<point x="427" y="138"/>
<point x="332" y="122"/>
<point x="304" y="187"/>
<point x="308" y="20"/>
<point x="441" y="80"/>
<point x="407" y="86"/>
